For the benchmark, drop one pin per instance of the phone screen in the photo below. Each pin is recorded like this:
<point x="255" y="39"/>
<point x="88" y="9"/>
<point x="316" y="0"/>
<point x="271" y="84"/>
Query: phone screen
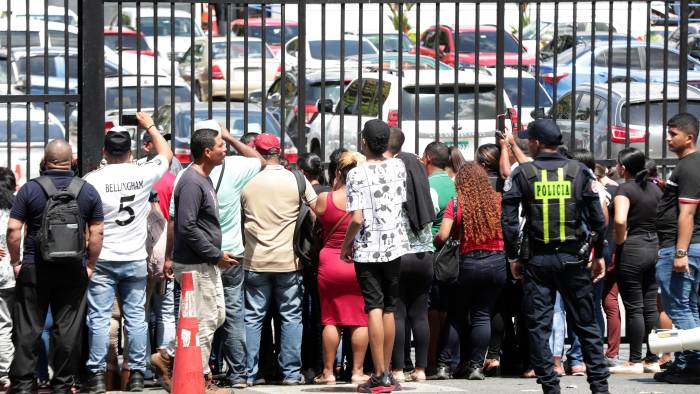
<point x="129" y="120"/>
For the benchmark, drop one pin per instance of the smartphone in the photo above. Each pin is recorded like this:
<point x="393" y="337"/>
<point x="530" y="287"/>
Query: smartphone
<point x="501" y="122"/>
<point x="500" y="135"/>
<point x="129" y="120"/>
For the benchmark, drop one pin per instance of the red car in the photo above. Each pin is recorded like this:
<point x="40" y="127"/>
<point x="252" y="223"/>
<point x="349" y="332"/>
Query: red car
<point x="273" y="31"/>
<point x="467" y="46"/>
<point x="129" y="40"/>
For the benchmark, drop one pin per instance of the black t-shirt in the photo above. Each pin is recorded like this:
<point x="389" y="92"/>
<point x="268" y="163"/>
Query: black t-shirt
<point x="682" y="187"/>
<point x="641" y="217"/>
<point x="30" y="203"/>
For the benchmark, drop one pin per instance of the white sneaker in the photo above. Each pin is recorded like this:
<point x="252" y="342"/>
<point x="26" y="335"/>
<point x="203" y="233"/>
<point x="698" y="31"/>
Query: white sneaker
<point x="628" y="368"/>
<point x="652" y="367"/>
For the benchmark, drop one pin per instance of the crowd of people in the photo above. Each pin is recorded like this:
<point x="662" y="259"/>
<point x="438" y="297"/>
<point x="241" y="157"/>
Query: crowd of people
<point x="380" y="268"/>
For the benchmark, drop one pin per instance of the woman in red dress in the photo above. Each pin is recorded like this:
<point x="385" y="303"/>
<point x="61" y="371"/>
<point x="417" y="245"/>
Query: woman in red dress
<point x="342" y="304"/>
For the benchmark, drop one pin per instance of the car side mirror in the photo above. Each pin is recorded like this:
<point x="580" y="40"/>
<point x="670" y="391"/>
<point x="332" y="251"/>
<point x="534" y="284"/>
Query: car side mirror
<point x="325" y="106"/>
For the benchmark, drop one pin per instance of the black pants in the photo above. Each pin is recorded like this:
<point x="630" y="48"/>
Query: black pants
<point x="63" y="287"/>
<point x="482" y="275"/>
<point x="412" y="308"/>
<point x="544" y="276"/>
<point x="311" y="354"/>
<point x="636" y="278"/>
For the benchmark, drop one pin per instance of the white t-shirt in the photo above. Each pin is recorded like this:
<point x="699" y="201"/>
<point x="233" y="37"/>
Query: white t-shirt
<point x="125" y="189"/>
<point x="379" y="190"/>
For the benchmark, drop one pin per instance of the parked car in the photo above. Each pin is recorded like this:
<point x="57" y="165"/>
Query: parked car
<point x="314" y="45"/>
<point x="53" y="14"/>
<point x="8" y="75"/>
<point x="443" y="37"/>
<point x="18" y="31"/>
<point x="157" y="30"/>
<point x="618" y="59"/>
<point x="566" y="41"/>
<point x="361" y="103"/>
<point x="273" y="31"/>
<point x="131" y="62"/>
<point x="236" y="75"/>
<point x="391" y="41"/>
<point x="25" y="137"/>
<point x="523" y="89"/>
<point x="409" y="60"/>
<point x="181" y="127"/>
<point x="547" y="28"/>
<point x="693" y="40"/>
<point x="131" y="41"/>
<point x="313" y="91"/>
<point x="623" y="111"/>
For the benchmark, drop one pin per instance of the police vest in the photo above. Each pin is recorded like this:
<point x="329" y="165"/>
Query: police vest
<point x="553" y="212"/>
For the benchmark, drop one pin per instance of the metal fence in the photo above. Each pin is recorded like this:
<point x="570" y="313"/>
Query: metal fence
<point x="610" y="72"/>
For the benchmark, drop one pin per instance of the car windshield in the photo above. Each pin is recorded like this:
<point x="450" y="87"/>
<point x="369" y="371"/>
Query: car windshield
<point x="487" y="42"/>
<point x="55" y="67"/>
<point x="333" y="49"/>
<point x="184" y="122"/>
<point x="182" y="27"/>
<point x="273" y="34"/>
<point x="637" y="112"/>
<point x="19" y="39"/>
<point x="59" y="18"/>
<point x="391" y="42"/>
<point x="182" y="94"/>
<point x="466" y="102"/>
<point x="238" y="50"/>
<point x="527" y="92"/>
<point x="58" y="39"/>
<point x="313" y="91"/>
<point x="129" y="42"/>
<point x="19" y="129"/>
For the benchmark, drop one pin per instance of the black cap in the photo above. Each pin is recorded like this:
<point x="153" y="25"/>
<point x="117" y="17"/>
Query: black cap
<point x="545" y="131"/>
<point x="376" y="129"/>
<point x="147" y="137"/>
<point x="117" y="142"/>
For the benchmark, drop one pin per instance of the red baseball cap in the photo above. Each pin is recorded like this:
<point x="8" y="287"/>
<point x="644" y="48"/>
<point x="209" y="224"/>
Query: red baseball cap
<point x="267" y="144"/>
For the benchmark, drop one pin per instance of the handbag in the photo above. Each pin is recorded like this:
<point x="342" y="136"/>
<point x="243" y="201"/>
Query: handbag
<point x="446" y="260"/>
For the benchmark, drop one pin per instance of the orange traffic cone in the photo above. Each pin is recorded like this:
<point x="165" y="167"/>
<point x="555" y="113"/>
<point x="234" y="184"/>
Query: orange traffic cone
<point x="188" y="376"/>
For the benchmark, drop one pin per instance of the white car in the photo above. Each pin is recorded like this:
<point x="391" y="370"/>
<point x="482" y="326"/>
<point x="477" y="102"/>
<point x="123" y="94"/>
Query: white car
<point x="55" y="13"/>
<point x="18" y="33"/>
<point x="361" y="104"/>
<point x="314" y="48"/>
<point x="130" y="64"/>
<point x="26" y="151"/>
<point x="231" y="69"/>
<point x="159" y="29"/>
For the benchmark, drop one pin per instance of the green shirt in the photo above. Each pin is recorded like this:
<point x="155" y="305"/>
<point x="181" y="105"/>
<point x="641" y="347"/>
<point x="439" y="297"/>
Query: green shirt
<point x="444" y="186"/>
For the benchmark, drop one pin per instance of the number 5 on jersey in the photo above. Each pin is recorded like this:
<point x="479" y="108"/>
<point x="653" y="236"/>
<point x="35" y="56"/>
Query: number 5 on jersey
<point x="124" y="208"/>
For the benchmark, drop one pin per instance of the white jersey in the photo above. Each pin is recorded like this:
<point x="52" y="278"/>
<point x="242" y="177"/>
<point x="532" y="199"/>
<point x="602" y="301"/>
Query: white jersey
<point x="125" y="190"/>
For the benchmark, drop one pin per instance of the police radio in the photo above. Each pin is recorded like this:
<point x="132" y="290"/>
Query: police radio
<point x="584" y="252"/>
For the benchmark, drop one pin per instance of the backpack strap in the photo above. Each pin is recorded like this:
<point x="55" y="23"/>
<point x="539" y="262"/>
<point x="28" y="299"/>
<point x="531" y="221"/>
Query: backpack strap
<point x="47" y="185"/>
<point x="221" y="176"/>
<point x="571" y="169"/>
<point x="529" y="170"/>
<point x="75" y="186"/>
<point x="301" y="185"/>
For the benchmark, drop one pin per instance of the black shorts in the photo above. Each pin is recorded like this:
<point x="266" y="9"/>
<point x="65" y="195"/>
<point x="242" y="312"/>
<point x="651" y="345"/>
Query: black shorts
<point x="379" y="283"/>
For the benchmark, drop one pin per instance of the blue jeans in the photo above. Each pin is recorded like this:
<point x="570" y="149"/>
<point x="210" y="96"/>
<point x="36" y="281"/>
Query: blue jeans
<point x="556" y="339"/>
<point x="234" y="351"/>
<point x="287" y="290"/>
<point x="679" y="295"/>
<point x="129" y="278"/>
<point x="163" y="307"/>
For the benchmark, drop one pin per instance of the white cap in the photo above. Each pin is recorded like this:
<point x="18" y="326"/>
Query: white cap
<point x="210" y="124"/>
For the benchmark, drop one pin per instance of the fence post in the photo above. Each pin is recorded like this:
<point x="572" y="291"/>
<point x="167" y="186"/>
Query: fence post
<point x="683" y="72"/>
<point x="91" y="108"/>
<point x="500" y="51"/>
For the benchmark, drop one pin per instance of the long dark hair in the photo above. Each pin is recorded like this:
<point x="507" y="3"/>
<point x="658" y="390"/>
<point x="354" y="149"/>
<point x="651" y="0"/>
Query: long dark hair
<point x="333" y="164"/>
<point x="8" y="184"/>
<point x="312" y="167"/>
<point x="634" y="162"/>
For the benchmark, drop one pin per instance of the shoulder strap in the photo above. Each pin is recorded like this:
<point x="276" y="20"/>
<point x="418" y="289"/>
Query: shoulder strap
<point x="529" y="170"/>
<point x="221" y="175"/>
<point x="75" y="186"/>
<point x="47" y="185"/>
<point x="571" y="169"/>
<point x="456" y="221"/>
<point x="335" y="227"/>
<point x="301" y="185"/>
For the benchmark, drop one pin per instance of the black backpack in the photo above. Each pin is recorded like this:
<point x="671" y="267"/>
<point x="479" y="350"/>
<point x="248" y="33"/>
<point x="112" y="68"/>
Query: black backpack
<point x="61" y="236"/>
<point x="304" y="240"/>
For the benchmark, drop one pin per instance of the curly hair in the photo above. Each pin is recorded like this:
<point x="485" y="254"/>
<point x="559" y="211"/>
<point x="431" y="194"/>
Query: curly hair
<point x="480" y="204"/>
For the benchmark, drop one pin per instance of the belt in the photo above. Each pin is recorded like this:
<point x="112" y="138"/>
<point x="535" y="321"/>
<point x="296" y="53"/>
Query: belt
<point x="570" y="247"/>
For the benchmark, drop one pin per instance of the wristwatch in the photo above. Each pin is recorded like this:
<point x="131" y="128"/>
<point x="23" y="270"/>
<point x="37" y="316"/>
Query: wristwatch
<point x="681" y="253"/>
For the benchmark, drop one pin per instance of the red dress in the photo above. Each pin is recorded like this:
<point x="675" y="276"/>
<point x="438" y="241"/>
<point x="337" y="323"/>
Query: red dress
<point x="341" y="300"/>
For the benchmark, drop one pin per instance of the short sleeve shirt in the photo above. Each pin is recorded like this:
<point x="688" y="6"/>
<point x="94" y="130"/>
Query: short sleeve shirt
<point x="30" y="203"/>
<point x="444" y="186"/>
<point x="125" y="190"/>
<point x="682" y="187"/>
<point x="379" y="191"/>
<point x="238" y="172"/>
<point x="641" y="217"/>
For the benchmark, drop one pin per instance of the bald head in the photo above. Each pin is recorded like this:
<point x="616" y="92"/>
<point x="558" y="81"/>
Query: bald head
<point x="58" y="154"/>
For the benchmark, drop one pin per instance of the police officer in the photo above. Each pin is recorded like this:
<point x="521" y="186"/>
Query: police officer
<point x="561" y="213"/>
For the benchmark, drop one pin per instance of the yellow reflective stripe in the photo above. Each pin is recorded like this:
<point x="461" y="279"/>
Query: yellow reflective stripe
<point x="562" y="208"/>
<point x="545" y="210"/>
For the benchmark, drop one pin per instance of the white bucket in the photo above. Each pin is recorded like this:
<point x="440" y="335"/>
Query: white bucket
<point x="667" y="341"/>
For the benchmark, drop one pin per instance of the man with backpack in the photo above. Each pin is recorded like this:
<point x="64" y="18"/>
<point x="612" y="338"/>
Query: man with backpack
<point x="125" y="189"/>
<point x="62" y="219"/>
<point x="271" y="203"/>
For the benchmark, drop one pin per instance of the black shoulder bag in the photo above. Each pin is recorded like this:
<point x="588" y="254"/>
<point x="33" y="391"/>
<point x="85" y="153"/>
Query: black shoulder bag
<point x="446" y="260"/>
